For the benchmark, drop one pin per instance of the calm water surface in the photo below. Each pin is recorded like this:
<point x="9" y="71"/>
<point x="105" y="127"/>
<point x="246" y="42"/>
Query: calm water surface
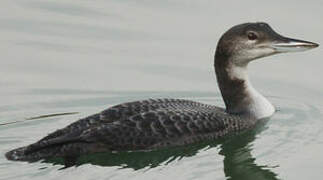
<point x="80" y="57"/>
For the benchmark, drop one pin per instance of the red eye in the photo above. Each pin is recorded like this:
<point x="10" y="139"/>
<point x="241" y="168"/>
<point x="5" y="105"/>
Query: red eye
<point x="252" y="36"/>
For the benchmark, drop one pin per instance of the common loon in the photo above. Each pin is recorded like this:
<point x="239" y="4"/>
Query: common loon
<point x="156" y="123"/>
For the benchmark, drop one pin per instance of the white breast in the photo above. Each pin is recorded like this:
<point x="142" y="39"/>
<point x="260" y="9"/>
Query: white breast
<point x="260" y="107"/>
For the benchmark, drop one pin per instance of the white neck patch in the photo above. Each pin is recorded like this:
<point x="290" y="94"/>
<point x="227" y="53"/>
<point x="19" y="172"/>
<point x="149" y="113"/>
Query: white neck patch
<point x="259" y="106"/>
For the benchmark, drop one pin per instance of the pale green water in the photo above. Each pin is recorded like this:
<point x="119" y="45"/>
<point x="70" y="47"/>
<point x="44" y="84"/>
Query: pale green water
<point x="85" y="56"/>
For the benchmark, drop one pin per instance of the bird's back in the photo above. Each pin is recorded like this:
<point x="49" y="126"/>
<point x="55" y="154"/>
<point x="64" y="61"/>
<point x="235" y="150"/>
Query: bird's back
<point x="139" y="125"/>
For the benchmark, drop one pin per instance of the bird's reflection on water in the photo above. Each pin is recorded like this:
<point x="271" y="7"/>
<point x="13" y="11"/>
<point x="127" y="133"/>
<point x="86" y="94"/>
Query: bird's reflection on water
<point x="238" y="161"/>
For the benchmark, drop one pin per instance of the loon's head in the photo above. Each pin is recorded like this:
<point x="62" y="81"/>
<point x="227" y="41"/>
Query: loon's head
<point x="249" y="41"/>
<point x="236" y="48"/>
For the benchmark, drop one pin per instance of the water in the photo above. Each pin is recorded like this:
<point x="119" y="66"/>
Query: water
<point x="84" y="56"/>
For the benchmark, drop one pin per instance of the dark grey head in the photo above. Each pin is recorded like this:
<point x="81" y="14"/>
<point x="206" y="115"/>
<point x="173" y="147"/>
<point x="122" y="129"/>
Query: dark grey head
<point x="246" y="42"/>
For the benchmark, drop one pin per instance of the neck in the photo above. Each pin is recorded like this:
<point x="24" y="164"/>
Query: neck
<point x="238" y="94"/>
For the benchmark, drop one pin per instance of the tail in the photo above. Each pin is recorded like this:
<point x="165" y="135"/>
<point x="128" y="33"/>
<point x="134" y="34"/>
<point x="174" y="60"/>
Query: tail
<point x="65" y="147"/>
<point x="16" y="154"/>
<point x="55" y="147"/>
<point x="22" y="154"/>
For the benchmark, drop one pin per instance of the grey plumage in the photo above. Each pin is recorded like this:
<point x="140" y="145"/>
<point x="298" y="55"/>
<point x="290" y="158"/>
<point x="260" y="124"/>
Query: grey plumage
<point x="139" y="125"/>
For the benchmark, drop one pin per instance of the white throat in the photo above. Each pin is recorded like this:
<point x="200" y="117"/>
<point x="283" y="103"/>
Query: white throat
<point x="257" y="106"/>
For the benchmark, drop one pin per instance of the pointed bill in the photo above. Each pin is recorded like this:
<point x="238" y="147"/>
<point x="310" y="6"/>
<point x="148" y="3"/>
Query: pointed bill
<point x="293" y="45"/>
